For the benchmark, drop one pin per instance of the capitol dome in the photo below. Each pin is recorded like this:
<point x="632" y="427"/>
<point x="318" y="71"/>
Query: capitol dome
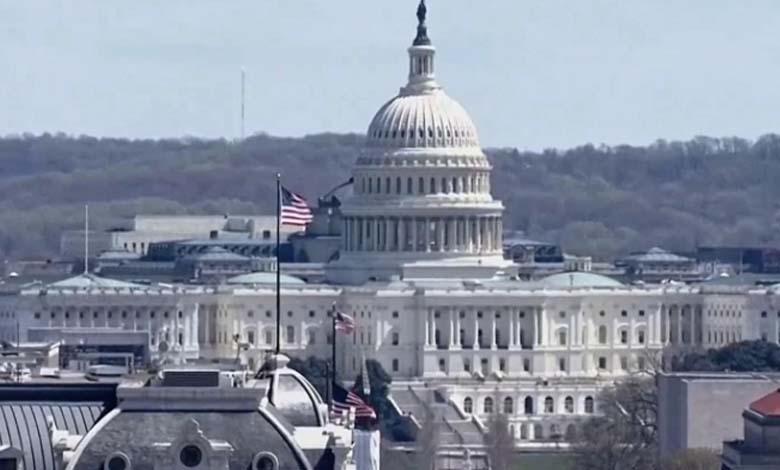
<point x="428" y="118"/>
<point x="421" y="205"/>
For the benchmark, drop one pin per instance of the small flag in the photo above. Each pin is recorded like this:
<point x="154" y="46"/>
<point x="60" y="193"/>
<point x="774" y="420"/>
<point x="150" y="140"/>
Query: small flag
<point x="295" y="209"/>
<point x="344" y="399"/>
<point x="344" y="323"/>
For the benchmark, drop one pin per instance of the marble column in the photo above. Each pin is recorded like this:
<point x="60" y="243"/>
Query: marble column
<point x="458" y="338"/>
<point x="478" y="227"/>
<point x="475" y="315"/>
<point x="512" y="320"/>
<point x="453" y="235"/>
<point x="401" y="234"/>
<point x="427" y="235"/>
<point x="440" y="233"/>
<point x="413" y="227"/>
<point x="679" y="337"/>
<point x="493" y="344"/>
<point x="452" y="328"/>
<point x="469" y="241"/>
<point x="537" y="326"/>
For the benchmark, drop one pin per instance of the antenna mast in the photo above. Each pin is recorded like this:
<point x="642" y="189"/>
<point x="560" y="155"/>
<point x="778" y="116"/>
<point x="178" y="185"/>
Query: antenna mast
<point x="86" y="238"/>
<point x="243" y="100"/>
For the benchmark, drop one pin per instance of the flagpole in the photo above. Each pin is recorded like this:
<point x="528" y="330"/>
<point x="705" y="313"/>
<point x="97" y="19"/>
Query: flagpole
<point x="333" y="347"/>
<point x="278" y="263"/>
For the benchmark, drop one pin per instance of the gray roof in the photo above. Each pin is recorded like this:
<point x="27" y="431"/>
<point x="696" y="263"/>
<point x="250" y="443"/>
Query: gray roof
<point x="578" y="279"/>
<point x="24" y="410"/>
<point x="23" y="426"/>
<point x="658" y="255"/>
<point x="217" y="253"/>
<point x="89" y="281"/>
<point x="263" y="278"/>
<point x="248" y="432"/>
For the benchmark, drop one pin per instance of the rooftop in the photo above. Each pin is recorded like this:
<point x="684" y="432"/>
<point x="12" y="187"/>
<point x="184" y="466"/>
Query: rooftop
<point x="768" y="405"/>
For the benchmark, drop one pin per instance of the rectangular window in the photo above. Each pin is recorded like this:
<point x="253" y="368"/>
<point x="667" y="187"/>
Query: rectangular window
<point x="502" y="365"/>
<point x="623" y="363"/>
<point x="562" y="364"/>
<point x="250" y="337"/>
<point x="603" y="363"/>
<point x="526" y="365"/>
<point x="624" y="337"/>
<point x="442" y="365"/>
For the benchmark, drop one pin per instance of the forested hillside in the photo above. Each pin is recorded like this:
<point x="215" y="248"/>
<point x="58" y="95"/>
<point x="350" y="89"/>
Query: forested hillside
<point x="602" y="201"/>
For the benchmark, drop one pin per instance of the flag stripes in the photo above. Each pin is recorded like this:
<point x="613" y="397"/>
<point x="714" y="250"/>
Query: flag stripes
<point x="344" y="323"/>
<point x="294" y="209"/>
<point x="344" y="400"/>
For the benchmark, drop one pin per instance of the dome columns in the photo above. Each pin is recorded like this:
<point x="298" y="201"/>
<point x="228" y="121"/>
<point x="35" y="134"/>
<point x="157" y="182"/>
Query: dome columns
<point x="454" y="234"/>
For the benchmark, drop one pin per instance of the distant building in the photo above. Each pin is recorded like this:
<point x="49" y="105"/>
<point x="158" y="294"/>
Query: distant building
<point x="701" y="410"/>
<point x="760" y="448"/>
<point x="742" y="258"/>
<point x="657" y="265"/>
<point x="180" y="419"/>
<point x="145" y="230"/>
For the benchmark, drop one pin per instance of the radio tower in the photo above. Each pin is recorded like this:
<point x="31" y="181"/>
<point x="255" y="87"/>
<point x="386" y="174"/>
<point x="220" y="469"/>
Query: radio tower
<point x="243" y="96"/>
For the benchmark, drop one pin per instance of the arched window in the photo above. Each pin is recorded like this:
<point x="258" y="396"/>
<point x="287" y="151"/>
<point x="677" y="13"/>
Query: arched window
<point x="603" y="334"/>
<point x="509" y="406"/>
<point x="468" y="405"/>
<point x="549" y="405"/>
<point x="433" y="185"/>
<point x="589" y="405"/>
<point x="378" y="185"/>
<point x="421" y="186"/>
<point x="444" y="187"/>
<point x="568" y="404"/>
<point x="398" y="185"/>
<point x="370" y="185"/>
<point x="409" y="185"/>
<point x="487" y="406"/>
<point x="388" y="186"/>
<point x="528" y="406"/>
<point x="623" y="336"/>
<point x="269" y="336"/>
<point x="523" y="431"/>
<point x="290" y="334"/>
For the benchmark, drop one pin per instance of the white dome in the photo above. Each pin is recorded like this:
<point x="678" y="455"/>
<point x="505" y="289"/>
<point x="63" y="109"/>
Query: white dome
<point x="427" y="119"/>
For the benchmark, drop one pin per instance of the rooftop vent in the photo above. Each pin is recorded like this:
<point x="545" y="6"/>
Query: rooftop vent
<point x="190" y="378"/>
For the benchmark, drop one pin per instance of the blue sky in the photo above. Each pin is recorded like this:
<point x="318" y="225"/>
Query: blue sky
<point x="532" y="73"/>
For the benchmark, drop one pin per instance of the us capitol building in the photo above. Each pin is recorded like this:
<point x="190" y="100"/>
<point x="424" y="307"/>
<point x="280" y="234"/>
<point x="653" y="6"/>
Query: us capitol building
<point x="421" y="269"/>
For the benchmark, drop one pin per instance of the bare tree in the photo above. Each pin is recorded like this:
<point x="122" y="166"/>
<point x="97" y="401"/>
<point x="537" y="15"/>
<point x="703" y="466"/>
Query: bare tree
<point x="624" y="436"/>
<point x="500" y="442"/>
<point x="428" y="439"/>
<point x="693" y="459"/>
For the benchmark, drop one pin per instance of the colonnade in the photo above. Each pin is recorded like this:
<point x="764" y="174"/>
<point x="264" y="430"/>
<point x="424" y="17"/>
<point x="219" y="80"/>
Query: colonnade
<point x="481" y="328"/>
<point x="423" y="234"/>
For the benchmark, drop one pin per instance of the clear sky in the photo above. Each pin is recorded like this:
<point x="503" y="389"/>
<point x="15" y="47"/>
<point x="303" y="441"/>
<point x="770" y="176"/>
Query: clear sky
<point x="532" y="73"/>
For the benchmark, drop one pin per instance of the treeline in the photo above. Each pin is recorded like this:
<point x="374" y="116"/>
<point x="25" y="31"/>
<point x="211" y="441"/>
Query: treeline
<point x="602" y="201"/>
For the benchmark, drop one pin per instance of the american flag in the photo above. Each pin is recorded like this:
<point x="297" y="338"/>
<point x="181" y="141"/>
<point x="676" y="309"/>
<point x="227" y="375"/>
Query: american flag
<point x="344" y="399"/>
<point x="344" y="323"/>
<point x="295" y="209"/>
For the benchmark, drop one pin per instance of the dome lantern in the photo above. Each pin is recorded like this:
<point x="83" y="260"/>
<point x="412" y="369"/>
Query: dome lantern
<point x="421" y="65"/>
